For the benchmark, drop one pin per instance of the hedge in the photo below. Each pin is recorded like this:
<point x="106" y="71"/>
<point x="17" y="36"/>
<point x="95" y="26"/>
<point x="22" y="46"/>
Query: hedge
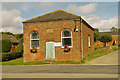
<point x="18" y="36"/>
<point x="6" y="45"/>
<point x="11" y="55"/>
<point x="19" y="48"/>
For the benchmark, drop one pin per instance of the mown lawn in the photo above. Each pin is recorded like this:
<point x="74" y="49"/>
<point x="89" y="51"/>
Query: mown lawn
<point x="97" y="53"/>
<point x="19" y="61"/>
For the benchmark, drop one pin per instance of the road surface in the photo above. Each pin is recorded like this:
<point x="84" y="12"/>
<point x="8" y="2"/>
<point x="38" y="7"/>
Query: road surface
<point x="64" y="70"/>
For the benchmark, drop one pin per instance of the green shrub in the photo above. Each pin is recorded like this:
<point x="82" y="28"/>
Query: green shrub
<point x="21" y="40"/>
<point x="6" y="45"/>
<point x="97" y="48"/>
<point x="18" y="36"/>
<point x="19" y="48"/>
<point x="5" y="56"/>
<point x="0" y="46"/>
<point x="11" y="55"/>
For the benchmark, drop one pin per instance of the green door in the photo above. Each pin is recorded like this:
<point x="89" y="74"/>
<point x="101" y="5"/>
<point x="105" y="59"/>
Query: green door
<point x="50" y="51"/>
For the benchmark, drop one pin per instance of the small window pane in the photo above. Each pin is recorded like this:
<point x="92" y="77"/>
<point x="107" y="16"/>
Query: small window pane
<point x="34" y="35"/>
<point x="66" y="33"/>
<point x="66" y="42"/>
<point x="35" y="43"/>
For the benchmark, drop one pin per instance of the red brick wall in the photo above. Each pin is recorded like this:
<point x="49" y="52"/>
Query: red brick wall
<point x="73" y="55"/>
<point x="87" y="31"/>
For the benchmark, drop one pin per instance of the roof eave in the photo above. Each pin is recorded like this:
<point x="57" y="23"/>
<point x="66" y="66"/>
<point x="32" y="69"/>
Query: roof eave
<point x="50" y="20"/>
<point x="88" y="24"/>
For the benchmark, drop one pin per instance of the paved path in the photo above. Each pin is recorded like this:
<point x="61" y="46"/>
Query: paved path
<point x="109" y="59"/>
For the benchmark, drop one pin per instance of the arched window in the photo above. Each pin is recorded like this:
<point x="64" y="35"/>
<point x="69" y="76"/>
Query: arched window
<point x="66" y="37"/>
<point x="34" y="40"/>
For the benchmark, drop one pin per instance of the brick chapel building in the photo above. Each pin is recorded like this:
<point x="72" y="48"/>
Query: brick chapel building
<point x="59" y="36"/>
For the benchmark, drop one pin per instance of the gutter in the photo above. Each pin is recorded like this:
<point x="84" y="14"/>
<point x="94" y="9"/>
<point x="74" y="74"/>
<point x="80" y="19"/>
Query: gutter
<point x="81" y="40"/>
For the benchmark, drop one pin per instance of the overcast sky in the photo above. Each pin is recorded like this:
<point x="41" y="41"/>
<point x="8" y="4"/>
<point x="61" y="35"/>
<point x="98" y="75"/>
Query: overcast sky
<point x="101" y="15"/>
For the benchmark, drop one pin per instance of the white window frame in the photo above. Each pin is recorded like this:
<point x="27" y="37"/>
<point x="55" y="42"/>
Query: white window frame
<point x="66" y="37"/>
<point x="89" y="42"/>
<point x="33" y="39"/>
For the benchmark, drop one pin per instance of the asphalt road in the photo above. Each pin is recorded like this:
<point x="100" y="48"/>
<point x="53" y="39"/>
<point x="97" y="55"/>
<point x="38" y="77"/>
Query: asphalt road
<point x="91" y="69"/>
<point x="67" y="70"/>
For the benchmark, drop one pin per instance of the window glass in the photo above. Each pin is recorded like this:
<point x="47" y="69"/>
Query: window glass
<point x="66" y="37"/>
<point x="35" y="43"/>
<point x="66" y="33"/>
<point x="66" y="41"/>
<point x="34" y="37"/>
<point x="88" y="40"/>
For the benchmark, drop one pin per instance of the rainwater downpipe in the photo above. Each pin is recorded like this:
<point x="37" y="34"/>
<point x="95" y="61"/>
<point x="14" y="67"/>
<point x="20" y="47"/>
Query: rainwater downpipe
<point x="81" y="41"/>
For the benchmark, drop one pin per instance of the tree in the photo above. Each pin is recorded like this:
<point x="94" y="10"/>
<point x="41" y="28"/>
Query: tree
<point x="96" y="34"/>
<point x="8" y="33"/>
<point x="105" y="37"/>
<point x="119" y="29"/>
<point x="113" y="29"/>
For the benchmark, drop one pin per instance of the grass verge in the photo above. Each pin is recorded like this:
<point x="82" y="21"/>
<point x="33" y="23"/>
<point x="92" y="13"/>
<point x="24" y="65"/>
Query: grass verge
<point x="97" y="53"/>
<point x="19" y="61"/>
